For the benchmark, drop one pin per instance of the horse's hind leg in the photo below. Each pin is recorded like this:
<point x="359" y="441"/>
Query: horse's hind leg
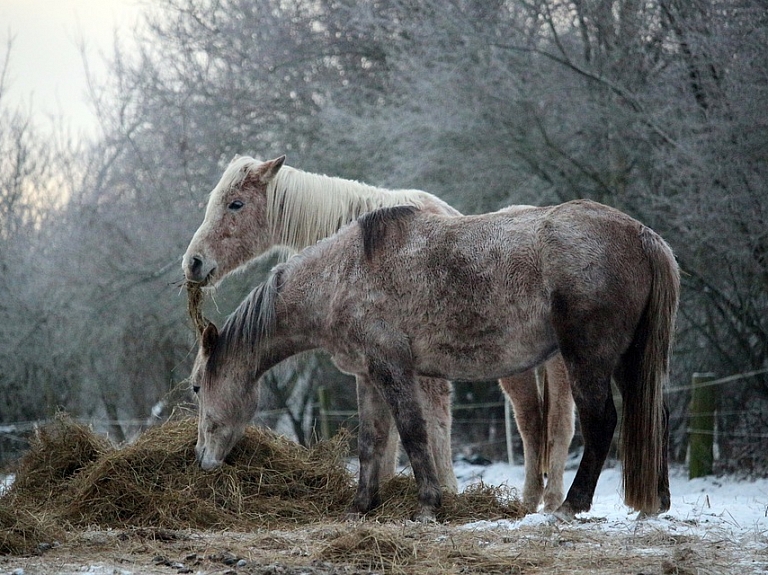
<point x="435" y="401"/>
<point x="560" y="425"/>
<point x="597" y="417"/>
<point x="522" y="391"/>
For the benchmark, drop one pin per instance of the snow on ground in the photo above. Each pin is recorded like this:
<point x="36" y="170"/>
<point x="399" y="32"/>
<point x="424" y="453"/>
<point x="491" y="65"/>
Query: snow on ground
<point x="730" y="514"/>
<point x="5" y="482"/>
<point x="709" y="507"/>
<point x="725" y="505"/>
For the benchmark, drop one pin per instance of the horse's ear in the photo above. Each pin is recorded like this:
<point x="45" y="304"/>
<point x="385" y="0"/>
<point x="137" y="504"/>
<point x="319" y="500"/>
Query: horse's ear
<point x="210" y="337"/>
<point x="272" y="167"/>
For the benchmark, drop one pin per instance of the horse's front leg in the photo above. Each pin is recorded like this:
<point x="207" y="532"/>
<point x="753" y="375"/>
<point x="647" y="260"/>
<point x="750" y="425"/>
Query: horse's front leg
<point x="399" y="387"/>
<point x="376" y="445"/>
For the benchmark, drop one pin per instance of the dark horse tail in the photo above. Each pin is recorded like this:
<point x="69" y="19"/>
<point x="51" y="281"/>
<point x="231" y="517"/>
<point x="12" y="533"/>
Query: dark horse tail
<point x="645" y="369"/>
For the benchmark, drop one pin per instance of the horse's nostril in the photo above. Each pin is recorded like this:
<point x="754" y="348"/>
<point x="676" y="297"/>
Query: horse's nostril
<point x="196" y="264"/>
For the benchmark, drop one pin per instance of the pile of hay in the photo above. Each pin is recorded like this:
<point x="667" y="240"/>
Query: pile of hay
<point x="72" y="479"/>
<point x="268" y="480"/>
<point x="399" y="501"/>
<point x="28" y="518"/>
<point x="156" y="481"/>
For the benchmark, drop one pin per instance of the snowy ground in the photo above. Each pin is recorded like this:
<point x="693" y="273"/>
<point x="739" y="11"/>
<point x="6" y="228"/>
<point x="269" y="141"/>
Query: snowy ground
<point x="714" y="508"/>
<point x="715" y="526"/>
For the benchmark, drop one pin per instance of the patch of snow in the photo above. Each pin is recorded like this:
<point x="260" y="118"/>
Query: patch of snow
<point x="706" y="507"/>
<point x="6" y="482"/>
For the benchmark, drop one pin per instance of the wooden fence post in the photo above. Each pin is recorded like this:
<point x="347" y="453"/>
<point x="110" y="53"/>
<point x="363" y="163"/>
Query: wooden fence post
<point x="322" y="400"/>
<point x="701" y="430"/>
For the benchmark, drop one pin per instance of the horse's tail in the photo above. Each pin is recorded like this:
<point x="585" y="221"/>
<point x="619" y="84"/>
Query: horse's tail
<point x="645" y="369"/>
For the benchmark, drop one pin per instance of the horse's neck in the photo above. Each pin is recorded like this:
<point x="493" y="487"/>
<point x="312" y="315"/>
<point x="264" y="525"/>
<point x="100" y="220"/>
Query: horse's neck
<point x="304" y="208"/>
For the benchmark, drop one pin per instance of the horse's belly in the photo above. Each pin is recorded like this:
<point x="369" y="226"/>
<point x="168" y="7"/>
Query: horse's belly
<point x="481" y="362"/>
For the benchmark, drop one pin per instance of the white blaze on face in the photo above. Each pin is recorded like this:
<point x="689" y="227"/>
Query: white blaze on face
<point x="197" y="263"/>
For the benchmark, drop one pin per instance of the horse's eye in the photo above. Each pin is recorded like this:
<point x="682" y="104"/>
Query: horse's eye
<point x="235" y="206"/>
<point x="196" y="388"/>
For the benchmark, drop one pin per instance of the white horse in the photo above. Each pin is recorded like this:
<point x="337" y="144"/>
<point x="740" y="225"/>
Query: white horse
<point x="258" y="206"/>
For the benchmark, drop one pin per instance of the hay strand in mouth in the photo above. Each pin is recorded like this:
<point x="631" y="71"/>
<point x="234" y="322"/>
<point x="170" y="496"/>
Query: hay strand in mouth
<point x="195" y="299"/>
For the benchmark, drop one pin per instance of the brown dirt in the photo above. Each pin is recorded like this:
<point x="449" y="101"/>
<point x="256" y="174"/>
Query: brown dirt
<point x="405" y="548"/>
<point x="79" y="505"/>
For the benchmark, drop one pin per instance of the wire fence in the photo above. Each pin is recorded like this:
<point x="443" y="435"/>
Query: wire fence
<point x="19" y="432"/>
<point x="715" y="382"/>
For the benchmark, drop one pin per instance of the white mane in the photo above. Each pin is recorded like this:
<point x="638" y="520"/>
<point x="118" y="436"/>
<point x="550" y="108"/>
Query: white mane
<point x="303" y="208"/>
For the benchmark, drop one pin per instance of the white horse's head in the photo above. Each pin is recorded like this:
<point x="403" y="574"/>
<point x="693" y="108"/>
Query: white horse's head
<point x="235" y="226"/>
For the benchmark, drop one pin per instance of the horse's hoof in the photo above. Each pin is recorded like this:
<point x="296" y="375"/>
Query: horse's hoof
<point x="646" y="515"/>
<point x="424" y="516"/>
<point x="353" y="516"/>
<point x="551" y="518"/>
<point x="550" y="509"/>
<point x="564" y="513"/>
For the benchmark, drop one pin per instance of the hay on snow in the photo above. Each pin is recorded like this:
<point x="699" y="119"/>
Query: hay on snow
<point x="72" y="479"/>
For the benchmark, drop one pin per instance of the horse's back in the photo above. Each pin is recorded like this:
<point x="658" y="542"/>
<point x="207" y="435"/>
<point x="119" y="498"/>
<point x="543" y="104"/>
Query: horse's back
<point x="500" y="281"/>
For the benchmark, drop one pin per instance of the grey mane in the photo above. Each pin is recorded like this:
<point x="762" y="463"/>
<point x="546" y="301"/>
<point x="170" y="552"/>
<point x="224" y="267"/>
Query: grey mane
<point x="253" y="321"/>
<point x="375" y="226"/>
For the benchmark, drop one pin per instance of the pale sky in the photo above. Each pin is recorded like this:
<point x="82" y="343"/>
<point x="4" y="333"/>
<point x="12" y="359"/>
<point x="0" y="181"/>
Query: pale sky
<point x="46" y="69"/>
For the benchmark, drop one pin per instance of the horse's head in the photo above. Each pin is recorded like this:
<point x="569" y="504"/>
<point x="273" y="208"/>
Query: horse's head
<point x="226" y="401"/>
<point x="235" y="228"/>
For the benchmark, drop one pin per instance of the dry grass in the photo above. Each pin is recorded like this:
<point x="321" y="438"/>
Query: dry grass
<point x="57" y="453"/>
<point x="23" y="531"/>
<point x="372" y="548"/>
<point x="276" y="507"/>
<point x="195" y="296"/>
<point x="72" y="479"/>
<point x="399" y="501"/>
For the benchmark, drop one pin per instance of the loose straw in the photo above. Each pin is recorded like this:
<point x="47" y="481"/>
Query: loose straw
<point x="195" y="307"/>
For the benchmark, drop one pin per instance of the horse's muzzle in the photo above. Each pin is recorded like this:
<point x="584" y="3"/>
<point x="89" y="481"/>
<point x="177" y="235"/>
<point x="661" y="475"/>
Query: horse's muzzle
<point x="196" y="270"/>
<point x="206" y="462"/>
